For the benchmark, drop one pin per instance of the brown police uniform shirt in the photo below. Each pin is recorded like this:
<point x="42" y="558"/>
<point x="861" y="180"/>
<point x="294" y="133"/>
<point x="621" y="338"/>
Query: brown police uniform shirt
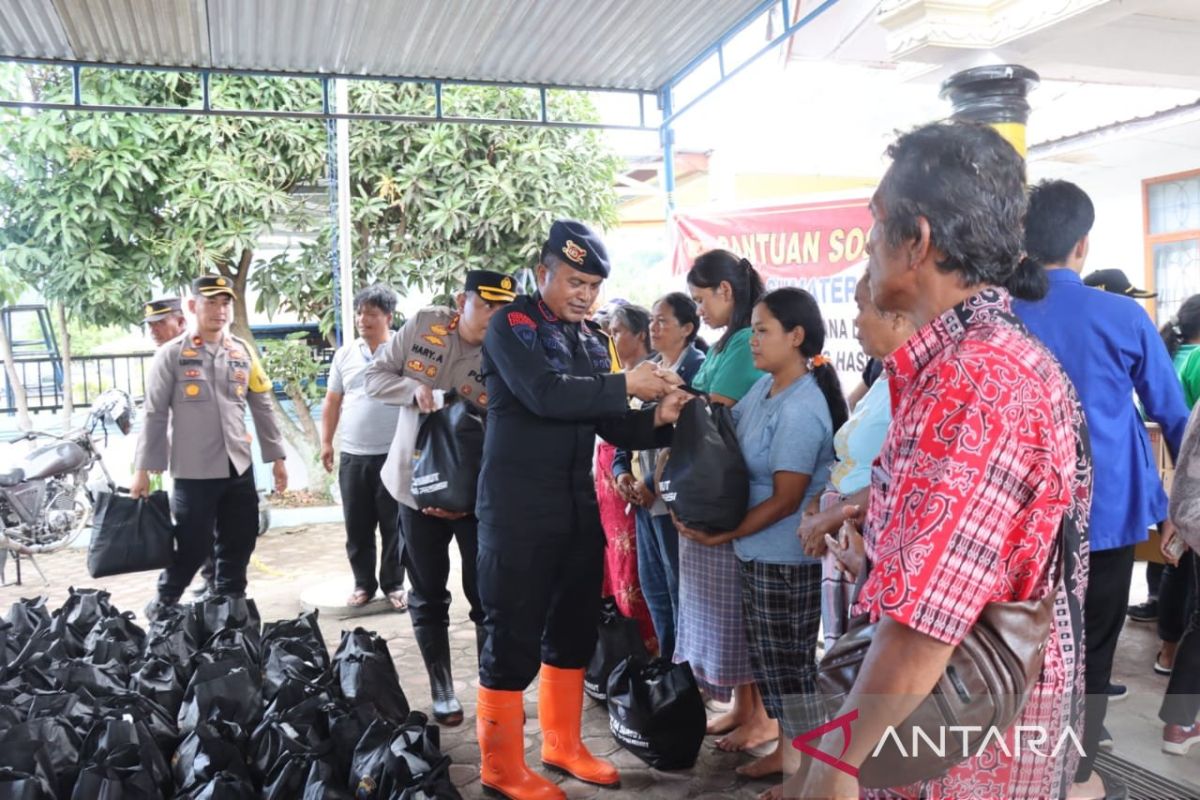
<point x="427" y="350"/>
<point x="196" y="398"/>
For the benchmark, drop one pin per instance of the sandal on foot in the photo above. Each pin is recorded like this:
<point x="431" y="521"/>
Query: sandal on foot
<point x="358" y="598"/>
<point x="399" y="599"/>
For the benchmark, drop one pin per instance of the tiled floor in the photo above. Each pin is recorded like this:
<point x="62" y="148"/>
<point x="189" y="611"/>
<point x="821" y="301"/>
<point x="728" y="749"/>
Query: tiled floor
<point x="287" y="561"/>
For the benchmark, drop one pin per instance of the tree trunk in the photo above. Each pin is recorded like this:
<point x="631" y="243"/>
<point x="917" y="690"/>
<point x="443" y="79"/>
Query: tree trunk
<point x="14" y="382"/>
<point x="303" y="436"/>
<point x="68" y="387"/>
<point x="306" y="420"/>
<point x="240" y="277"/>
<point x="318" y="479"/>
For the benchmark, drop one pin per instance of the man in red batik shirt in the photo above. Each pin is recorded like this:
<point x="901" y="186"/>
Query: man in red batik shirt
<point x="986" y="454"/>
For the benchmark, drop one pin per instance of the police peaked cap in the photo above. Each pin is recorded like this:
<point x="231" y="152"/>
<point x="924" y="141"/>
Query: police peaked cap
<point x="494" y="287"/>
<point x="212" y="285"/>
<point x="1115" y="281"/>
<point x="162" y="308"/>
<point x="577" y="246"/>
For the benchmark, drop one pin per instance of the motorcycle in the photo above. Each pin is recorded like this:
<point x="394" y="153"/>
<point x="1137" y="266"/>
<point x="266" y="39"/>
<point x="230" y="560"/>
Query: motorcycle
<point x="46" y="500"/>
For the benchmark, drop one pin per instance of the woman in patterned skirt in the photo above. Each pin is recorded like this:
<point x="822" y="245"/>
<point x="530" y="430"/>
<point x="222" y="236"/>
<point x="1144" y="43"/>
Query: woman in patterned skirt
<point x="711" y="635"/>
<point x="785" y="427"/>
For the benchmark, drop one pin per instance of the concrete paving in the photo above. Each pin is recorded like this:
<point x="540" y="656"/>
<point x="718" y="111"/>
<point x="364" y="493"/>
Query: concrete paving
<point x="290" y="561"/>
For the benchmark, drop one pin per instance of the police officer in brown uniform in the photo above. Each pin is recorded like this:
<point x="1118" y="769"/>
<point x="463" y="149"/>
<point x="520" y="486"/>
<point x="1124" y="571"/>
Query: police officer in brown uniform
<point x="165" y="321"/>
<point x="164" y="317"/>
<point x="199" y="386"/>
<point x="439" y="348"/>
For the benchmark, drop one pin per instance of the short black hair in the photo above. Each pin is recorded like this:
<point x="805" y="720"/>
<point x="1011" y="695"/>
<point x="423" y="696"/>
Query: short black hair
<point x="549" y="259"/>
<point x="1060" y="214"/>
<point x="969" y="183"/>
<point x="1184" y="327"/>
<point x="380" y="295"/>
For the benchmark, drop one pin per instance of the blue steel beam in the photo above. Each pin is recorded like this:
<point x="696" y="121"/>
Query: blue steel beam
<point x="717" y="48"/>
<point x="666" y="131"/>
<point x="707" y="52"/>
<point x="667" y="137"/>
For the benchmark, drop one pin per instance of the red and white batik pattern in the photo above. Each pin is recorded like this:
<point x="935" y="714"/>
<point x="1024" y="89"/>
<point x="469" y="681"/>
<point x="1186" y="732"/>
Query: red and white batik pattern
<point x="986" y="453"/>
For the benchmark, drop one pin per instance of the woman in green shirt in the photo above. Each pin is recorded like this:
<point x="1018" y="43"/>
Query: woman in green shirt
<point x="711" y="635"/>
<point x="1182" y="337"/>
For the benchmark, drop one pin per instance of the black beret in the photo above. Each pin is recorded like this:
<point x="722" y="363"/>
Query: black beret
<point x="211" y="285"/>
<point x="577" y="246"/>
<point x="494" y="287"/>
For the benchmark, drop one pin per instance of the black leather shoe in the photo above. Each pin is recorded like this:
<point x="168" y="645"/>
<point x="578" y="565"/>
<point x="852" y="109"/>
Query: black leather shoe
<point x="435" y="651"/>
<point x="1144" y="612"/>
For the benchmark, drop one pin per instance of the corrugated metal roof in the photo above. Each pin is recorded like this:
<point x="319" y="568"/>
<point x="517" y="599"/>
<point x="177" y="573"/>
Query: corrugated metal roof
<point x="619" y="44"/>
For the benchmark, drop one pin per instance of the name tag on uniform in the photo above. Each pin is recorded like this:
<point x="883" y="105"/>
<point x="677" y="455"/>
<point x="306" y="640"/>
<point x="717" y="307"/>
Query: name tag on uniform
<point x="184" y="362"/>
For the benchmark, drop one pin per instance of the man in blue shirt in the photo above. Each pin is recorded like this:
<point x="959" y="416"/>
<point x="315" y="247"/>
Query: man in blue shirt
<point x="1109" y="348"/>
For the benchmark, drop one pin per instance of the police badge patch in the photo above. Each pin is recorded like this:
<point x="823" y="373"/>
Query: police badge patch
<point x="523" y="327"/>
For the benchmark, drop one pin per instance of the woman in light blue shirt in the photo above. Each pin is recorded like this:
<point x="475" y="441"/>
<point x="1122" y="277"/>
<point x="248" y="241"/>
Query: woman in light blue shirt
<point x="857" y="445"/>
<point x="785" y="426"/>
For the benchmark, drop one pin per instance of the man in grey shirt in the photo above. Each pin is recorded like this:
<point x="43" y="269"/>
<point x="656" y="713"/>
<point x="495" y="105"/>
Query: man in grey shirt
<point x="367" y="427"/>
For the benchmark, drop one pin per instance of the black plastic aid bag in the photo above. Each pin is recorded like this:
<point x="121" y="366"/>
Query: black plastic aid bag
<point x="447" y="458"/>
<point x="705" y="481"/>
<point x="619" y="638"/>
<point x="656" y="712"/>
<point x="130" y="535"/>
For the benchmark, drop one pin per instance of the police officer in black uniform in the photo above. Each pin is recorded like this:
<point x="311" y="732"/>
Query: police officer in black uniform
<point x="553" y="384"/>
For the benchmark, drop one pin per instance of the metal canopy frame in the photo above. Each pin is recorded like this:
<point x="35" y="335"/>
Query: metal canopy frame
<point x="333" y="114"/>
<point x="327" y="112"/>
<point x="663" y="95"/>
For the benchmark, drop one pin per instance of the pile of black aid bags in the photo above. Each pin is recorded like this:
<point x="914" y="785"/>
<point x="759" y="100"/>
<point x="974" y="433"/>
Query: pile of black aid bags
<point x="206" y="704"/>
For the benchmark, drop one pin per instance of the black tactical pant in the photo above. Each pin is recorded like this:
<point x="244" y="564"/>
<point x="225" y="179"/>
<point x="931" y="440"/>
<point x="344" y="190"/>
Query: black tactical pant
<point x="541" y="597"/>
<point x="427" y="557"/>
<point x="231" y="505"/>
<point x="1110" y="573"/>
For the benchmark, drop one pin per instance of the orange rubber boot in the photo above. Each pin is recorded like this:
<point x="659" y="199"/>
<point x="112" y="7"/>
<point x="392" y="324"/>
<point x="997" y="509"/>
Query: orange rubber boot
<point x="499" y="720"/>
<point x="560" y="710"/>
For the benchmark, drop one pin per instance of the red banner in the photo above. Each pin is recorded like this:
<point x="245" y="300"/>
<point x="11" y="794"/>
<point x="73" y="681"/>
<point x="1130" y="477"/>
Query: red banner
<point x="790" y="241"/>
<point x="819" y="247"/>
